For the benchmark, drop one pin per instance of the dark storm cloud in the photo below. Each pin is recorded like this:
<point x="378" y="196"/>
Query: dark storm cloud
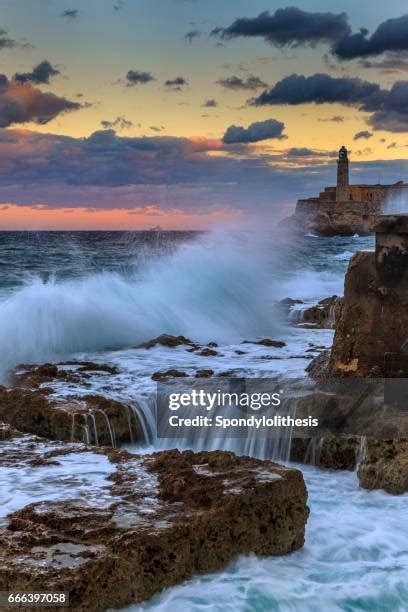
<point x="364" y="134"/>
<point x="138" y="77"/>
<point x="70" y="13"/>
<point x="21" y="102"/>
<point x="391" y="35"/>
<point x="388" y="107"/>
<point x="251" y="83"/>
<point x="176" y="84"/>
<point x="210" y="103"/>
<point x="260" y="130"/>
<point x="290" y="26"/>
<point x="318" y="88"/>
<point x="39" y="74"/>
<point x="5" y="41"/>
<point x="190" y="36"/>
<point x="120" y="123"/>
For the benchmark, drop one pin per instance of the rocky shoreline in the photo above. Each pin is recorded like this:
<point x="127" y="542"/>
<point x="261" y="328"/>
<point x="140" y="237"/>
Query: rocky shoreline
<point x="156" y="520"/>
<point x="163" y="518"/>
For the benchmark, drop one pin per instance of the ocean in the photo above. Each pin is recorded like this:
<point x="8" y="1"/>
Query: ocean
<point x="99" y="295"/>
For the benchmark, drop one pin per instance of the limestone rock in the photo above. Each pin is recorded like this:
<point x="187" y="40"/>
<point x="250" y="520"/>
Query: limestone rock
<point x="333" y="452"/>
<point x="168" y="374"/>
<point x="33" y="376"/>
<point x="165" y="518"/>
<point x="374" y="316"/>
<point x="167" y="340"/>
<point x="324" y="314"/>
<point x="318" y="367"/>
<point x="385" y="465"/>
<point x="266" y="342"/>
<point x="91" y="418"/>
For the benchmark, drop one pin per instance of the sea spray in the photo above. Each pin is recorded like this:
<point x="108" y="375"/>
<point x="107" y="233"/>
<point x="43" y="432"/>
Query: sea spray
<point x="219" y="287"/>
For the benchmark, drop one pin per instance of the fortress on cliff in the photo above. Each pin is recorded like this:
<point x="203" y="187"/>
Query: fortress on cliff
<point x="346" y="209"/>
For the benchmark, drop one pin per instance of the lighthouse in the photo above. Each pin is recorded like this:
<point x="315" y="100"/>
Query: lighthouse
<point x="342" y="190"/>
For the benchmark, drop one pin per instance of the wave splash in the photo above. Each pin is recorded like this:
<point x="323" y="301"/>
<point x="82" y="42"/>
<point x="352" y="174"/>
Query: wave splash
<point x="216" y="288"/>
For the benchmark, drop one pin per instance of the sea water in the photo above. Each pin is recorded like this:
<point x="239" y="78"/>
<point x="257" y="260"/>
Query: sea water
<point x="99" y="295"/>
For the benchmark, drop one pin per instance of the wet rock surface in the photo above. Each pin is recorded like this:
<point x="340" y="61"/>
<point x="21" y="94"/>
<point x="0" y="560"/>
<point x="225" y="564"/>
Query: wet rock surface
<point x="169" y="341"/>
<point x="167" y="374"/>
<point x="318" y="367"/>
<point x="91" y="418"/>
<point x="266" y="342"/>
<point x="355" y="430"/>
<point x="336" y="453"/>
<point x="385" y="465"/>
<point x="163" y="518"/>
<point x="324" y="314"/>
<point x="34" y="376"/>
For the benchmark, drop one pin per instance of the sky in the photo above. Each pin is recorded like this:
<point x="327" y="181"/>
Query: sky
<point x="126" y="114"/>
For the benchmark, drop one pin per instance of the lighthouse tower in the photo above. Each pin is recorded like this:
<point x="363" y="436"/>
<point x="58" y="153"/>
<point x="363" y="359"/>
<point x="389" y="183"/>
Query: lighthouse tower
<point x="342" y="191"/>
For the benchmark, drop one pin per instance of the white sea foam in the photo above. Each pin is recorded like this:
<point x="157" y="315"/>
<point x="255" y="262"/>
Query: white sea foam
<point x="74" y="476"/>
<point x="217" y="288"/>
<point x="355" y="558"/>
<point x="345" y="256"/>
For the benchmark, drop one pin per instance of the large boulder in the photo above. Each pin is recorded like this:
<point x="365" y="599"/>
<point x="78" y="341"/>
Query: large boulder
<point x="164" y="518"/>
<point x="374" y="318"/>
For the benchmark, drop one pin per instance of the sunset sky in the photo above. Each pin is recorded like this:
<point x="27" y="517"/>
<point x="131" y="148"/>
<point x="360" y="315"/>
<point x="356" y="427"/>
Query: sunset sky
<point x="124" y="114"/>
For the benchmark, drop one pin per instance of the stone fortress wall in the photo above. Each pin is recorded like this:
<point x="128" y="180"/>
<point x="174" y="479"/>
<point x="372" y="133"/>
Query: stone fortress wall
<point x="345" y="209"/>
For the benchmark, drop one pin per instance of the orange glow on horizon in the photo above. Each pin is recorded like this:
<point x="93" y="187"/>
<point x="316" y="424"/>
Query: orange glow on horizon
<point x="39" y="218"/>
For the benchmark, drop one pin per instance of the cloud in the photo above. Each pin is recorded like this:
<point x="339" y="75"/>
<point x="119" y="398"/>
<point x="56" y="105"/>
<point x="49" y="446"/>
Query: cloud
<point x="388" y="108"/>
<point x="235" y="83"/>
<point x="210" y="103"/>
<point x="176" y="84"/>
<point x="120" y="123"/>
<point x="365" y="134"/>
<point x="260" y="130"/>
<point x="390" y="64"/>
<point x="334" y="119"/>
<point x="39" y="74"/>
<point x="362" y="152"/>
<point x="391" y="35"/>
<point x="70" y="13"/>
<point x="5" y="41"/>
<point x="318" y="88"/>
<point x="120" y="4"/>
<point x="108" y="171"/>
<point x="298" y="152"/>
<point x="190" y="36"/>
<point x="138" y="77"/>
<point x="22" y="102"/>
<point x="290" y="27"/>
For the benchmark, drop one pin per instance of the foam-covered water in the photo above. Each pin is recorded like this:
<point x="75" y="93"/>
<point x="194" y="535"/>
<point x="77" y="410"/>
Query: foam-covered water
<point x="70" y="476"/>
<point x="214" y="287"/>
<point x="355" y="558"/>
<point x="108" y="293"/>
